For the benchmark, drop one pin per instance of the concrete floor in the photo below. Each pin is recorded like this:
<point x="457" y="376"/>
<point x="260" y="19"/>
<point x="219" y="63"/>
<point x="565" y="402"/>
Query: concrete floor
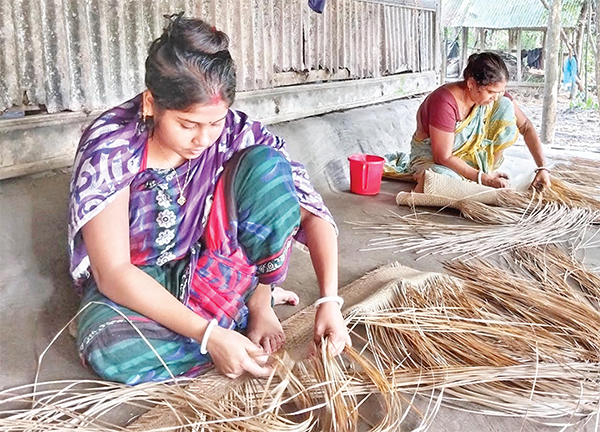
<point x="37" y="299"/>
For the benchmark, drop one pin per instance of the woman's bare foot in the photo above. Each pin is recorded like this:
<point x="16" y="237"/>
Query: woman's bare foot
<point x="419" y="177"/>
<point x="281" y="296"/>
<point x="264" y="327"/>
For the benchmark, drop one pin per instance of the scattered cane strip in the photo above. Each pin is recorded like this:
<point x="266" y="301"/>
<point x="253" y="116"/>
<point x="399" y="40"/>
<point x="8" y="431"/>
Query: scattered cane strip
<point x="519" y="338"/>
<point x="550" y="223"/>
<point x="319" y="393"/>
<point x="565" y="211"/>
<point x="552" y="266"/>
<point x="579" y="171"/>
<point x="560" y="192"/>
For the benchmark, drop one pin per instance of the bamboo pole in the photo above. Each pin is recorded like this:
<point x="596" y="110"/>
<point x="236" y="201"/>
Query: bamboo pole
<point x="464" y="53"/>
<point x="587" y="45"/>
<point x="551" y="74"/>
<point x="519" y="59"/>
<point x="580" y="33"/>
<point x="598" y="50"/>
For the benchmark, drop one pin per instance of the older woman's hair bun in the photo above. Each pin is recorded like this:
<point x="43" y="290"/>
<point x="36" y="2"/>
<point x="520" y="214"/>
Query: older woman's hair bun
<point x="486" y="68"/>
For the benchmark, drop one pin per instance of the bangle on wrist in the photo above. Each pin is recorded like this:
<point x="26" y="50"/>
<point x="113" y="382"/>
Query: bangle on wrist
<point x="209" y="328"/>
<point x="538" y="169"/>
<point x="336" y="299"/>
<point x="479" y="175"/>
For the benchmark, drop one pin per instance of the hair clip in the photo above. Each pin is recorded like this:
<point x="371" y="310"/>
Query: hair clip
<point x="173" y="18"/>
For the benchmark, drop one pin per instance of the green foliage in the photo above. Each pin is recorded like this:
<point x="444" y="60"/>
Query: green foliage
<point x="591" y="103"/>
<point x="531" y="39"/>
<point x="497" y="39"/>
<point x="591" y="68"/>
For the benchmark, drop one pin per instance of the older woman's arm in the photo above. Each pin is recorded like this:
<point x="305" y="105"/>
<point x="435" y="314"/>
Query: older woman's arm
<point x="441" y="148"/>
<point x="533" y="143"/>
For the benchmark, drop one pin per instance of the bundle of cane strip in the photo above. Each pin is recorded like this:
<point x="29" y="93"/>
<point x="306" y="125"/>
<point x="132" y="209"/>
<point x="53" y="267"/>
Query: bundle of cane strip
<point x="496" y="340"/>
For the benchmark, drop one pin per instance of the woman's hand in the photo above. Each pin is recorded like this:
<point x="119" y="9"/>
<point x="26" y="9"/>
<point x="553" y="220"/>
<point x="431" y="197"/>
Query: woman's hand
<point x="329" y="323"/>
<point x="233" y="354"/>
<point x="541" y="180"/>
<point x="495" y="179"/>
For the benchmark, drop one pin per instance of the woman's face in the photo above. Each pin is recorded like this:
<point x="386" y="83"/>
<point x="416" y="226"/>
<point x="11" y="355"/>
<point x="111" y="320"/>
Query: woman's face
<point x="188" y="133"/>
<point x="485" y="95"/>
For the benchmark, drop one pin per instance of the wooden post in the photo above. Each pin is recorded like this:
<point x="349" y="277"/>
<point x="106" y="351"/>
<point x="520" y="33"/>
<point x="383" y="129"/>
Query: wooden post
<point x="597" y="50"/>
<point x="439" y="51"/>
<point x="587" y="44"/>
<point x="464" y="53"/>
<point x="444" y="60"/>
<point x="543" y="53"/>
<point x="580" y="32"/>
<point x="551" y="73"/>
<point x="481" y="37"/>
<point x="519" y="59"/>
<point x="512" y="37"/>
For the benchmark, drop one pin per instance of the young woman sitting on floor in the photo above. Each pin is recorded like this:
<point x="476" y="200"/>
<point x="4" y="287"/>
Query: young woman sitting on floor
<point x="182" y="217"/>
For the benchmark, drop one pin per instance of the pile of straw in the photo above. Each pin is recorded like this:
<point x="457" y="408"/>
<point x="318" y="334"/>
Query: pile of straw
<point x="521" y="339"/>
<point x="579" y="171"/>
<point x="519" y="342"/>
<point x="320" y="393"/>
<point x="565" y="212"/>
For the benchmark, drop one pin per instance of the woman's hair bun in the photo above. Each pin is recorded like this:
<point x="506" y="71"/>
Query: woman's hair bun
<point x="472" y="57"/>
<point x="194" y="35"/>
<point x="486" y="68"/>
<point x="190" y="64"/>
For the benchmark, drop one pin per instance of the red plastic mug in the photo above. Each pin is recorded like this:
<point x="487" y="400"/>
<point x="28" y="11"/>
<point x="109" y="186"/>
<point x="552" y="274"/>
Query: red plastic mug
<point x="365" y="173"/>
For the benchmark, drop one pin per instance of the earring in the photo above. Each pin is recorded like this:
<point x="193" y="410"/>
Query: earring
<point x="143" y="125"/>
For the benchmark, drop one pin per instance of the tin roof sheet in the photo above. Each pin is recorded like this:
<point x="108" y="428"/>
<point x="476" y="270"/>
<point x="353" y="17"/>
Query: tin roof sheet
<point x="494" y="14"/>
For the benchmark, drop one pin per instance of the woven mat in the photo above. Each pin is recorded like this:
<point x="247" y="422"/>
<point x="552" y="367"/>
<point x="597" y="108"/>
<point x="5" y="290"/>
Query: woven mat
<point x="443" y="191"/>
<point x="299" y="335"/>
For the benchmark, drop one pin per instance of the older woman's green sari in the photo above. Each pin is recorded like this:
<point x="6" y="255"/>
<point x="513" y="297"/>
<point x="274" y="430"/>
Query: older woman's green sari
<point x="478" y="140"/>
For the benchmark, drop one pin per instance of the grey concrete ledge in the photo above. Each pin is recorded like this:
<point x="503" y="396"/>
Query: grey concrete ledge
<point x="38" y="143"/>
<point x="296" y="102"/>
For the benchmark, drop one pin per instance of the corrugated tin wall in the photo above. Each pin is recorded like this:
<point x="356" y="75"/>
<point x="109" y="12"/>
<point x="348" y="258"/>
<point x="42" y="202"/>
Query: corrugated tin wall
<point x="89" y="54"/>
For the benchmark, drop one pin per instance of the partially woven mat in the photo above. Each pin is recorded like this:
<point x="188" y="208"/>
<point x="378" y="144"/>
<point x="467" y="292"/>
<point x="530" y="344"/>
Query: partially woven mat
<point x="299" y="335"/>
<point x="444" y="191"/>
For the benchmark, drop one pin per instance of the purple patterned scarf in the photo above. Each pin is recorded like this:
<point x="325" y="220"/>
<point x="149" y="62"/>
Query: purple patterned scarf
<point x="110" y="157"/>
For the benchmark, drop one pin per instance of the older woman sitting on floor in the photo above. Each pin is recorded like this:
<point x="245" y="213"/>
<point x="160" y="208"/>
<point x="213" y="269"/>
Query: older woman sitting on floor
<point x="464" y="127"/>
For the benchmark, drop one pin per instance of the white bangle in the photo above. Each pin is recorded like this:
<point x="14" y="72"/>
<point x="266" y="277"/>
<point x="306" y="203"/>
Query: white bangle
<point x="336" y="299"/>
<point x="209" y="328"/>
<point x="479" y="174"/>
<point x="538" y="169"/>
